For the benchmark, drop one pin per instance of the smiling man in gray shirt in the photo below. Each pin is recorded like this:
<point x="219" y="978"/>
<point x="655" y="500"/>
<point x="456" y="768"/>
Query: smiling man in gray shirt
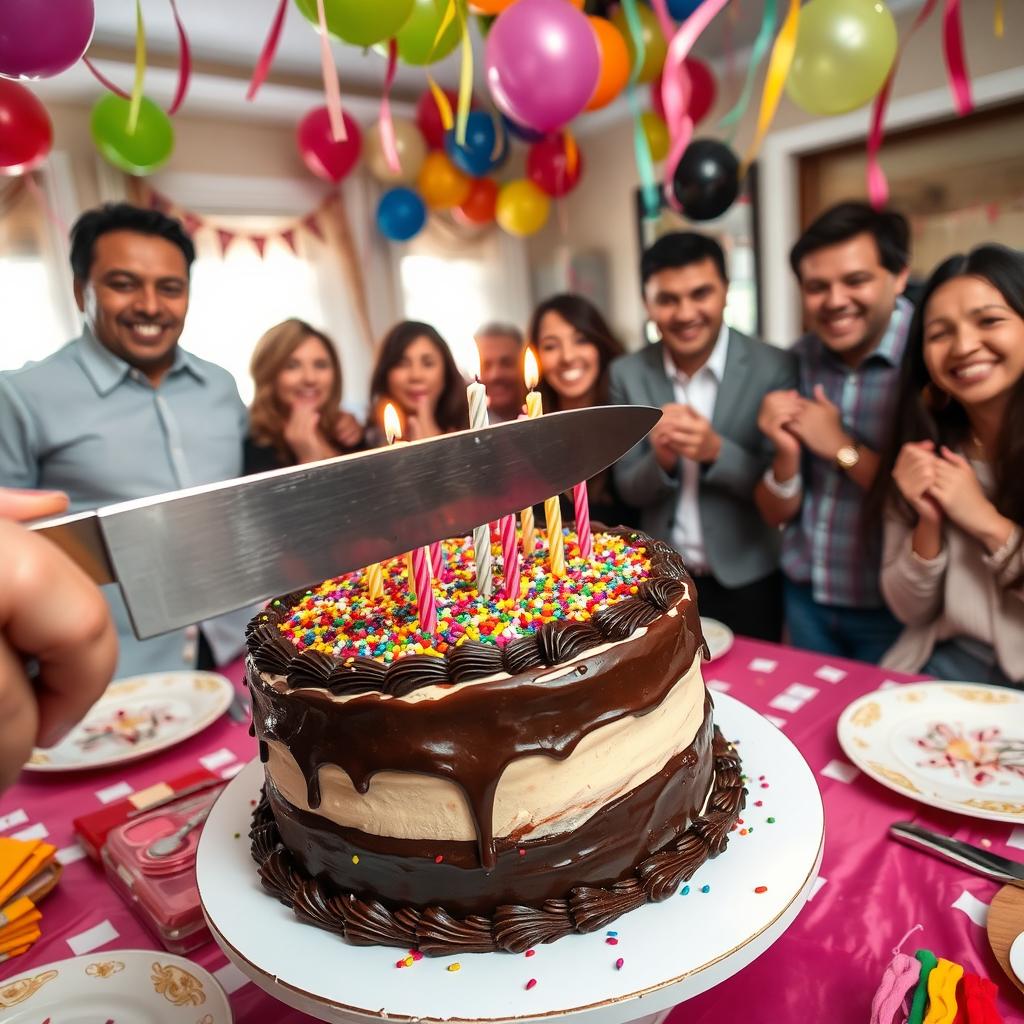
<point x="123" y="412"/>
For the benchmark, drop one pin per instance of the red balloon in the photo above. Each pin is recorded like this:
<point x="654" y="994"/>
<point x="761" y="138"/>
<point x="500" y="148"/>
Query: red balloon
<point x="26" y="134"/>
<point x="479" y="205"/>
<point x="547" y="166"/>
<point x="321" y="154"/>
<point x="702" y="99"/>
<point x="428" y="117"/>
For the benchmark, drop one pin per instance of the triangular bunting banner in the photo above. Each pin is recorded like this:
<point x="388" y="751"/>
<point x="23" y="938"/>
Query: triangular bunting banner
<point x="224" y="239"/>
<point x="260" y="241"/>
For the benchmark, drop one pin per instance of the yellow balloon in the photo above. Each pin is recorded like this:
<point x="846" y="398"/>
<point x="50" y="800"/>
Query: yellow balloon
<point x="656" y="132"/>
<point x="441" y="184"/>
<point x="522" y="207"/>
<point x="655" y="46"/>
<point x="412" y="151"/>
<point x="844" y="51"/>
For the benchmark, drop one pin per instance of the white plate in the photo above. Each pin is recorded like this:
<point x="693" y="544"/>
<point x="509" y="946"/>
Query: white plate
<point x="1016" y="956"/>
<point x="671" y="950"/>
<point x="955" y="746"/>
<point x="136" y="717"/>
<point x="141" y="986"/>
<point x="718" y="635"/>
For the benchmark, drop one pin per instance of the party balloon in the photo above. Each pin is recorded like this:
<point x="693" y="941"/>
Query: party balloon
<point x="547" y="166"/>
<point x="400" y="214"/>
<point x="441" y="183"/>
<point x="706" y="181"/>
<point x="703" y="90"/>
<point x="614" y="71"/>
<point x="416" y="37"/>
<point x="490" y="6"/>
<point x="40" y="40"/>
<point x="655" y="46"/>
<point x="682" y="9"/>
<point x="656" y="133"/>
<point x="473" y="157"/>
<point x="320" y="153"/>
<point x="412" y="151"/>
<point x="360" y="22"/>
<point x="844" y="52"/>
<point x="542" y="63"/>
<point x="138" y="152"/>
<point x="428" y="117"/>
<point x="478" y="207"/>
<point x="522" y="208"/>
<point x="517" y="131"/>
<point x="27" y="134"/>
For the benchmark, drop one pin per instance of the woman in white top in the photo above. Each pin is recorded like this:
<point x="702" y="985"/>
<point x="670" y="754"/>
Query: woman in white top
<point x="951" y="484"/>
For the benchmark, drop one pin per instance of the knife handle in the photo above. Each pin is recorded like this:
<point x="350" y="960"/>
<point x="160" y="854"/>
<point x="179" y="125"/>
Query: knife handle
<point x="981" y="862"/>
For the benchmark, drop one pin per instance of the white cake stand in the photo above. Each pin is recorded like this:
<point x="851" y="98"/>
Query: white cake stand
<point x="671" y="951"/>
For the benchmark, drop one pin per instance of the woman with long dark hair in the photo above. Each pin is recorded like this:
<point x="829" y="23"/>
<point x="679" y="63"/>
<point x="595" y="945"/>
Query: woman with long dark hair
<point x="574" y="348"/>
<point x="950" y="487"/>
<point x="415" y="371"/>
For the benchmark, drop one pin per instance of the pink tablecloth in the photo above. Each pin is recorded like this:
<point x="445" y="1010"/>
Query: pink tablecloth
<point x="824" y="969"/>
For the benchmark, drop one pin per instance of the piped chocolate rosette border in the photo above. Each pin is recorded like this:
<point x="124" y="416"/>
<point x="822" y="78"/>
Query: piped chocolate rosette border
<point x="512" y="928"/>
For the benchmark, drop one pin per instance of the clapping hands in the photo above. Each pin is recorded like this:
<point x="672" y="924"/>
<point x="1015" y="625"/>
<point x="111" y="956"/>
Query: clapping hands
<point x="683" y="432"/>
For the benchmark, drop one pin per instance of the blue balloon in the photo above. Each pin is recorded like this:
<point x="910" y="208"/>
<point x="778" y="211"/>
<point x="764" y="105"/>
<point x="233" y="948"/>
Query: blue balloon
<point x="682" y="9"/>
<point x="401" y="214"/>
<point x="519" y="132"/>
<point x="474" y="157"/>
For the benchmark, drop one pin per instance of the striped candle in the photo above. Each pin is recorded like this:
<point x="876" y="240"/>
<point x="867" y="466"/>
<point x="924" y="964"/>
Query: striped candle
<point x="375" y="581"/>
<point x="556" y="543"/>
<point x="510" y="557"/>
<point x="423" y="585"/>
<point x="581" y="504"/>
<point x="477" y="395"/>
<point x="534" y="408"/>
<point x="436" y="559"/>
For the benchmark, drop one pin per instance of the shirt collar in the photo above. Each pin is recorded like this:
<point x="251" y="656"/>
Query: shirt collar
<point x="715" y="362"/>
<point x="891" y="345"/>
<point x="107" y="371"/>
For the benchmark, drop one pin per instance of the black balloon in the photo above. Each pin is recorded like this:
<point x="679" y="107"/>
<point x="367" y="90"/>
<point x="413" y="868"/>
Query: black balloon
<point x="706" y="182"/>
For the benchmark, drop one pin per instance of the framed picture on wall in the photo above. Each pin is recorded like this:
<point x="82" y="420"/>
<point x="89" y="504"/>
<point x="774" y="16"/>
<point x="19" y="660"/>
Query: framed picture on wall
<point x="736" y="231"/>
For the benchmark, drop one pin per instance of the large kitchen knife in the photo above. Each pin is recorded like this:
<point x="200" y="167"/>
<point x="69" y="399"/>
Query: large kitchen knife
<point x="189" y="555"/>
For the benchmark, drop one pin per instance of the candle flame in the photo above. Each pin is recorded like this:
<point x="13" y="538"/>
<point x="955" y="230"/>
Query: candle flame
<point x="473" y="361"/>
<point x="392" y="424"/>
<point x="531" y="372"/>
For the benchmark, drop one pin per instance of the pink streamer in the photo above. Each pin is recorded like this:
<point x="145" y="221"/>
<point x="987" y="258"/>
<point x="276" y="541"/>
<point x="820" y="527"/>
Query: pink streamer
<point x="436" y="559"/>
<point x="510" y="557"/>
<point x="878" y="185"/>
<point x="104" y="81"/>
<point x="676" y="89"/>
<point x="956" y="63"/>
<point x="184" y="63"/>
<point x="422" y="583"/>
<point x="387" y="125"/>
<point x="262" y="68"/>
<point x="48" y="211"/>
<point x="332" y="91"/>
<point x="668" y="26"/>
<point x="581" y="504"/>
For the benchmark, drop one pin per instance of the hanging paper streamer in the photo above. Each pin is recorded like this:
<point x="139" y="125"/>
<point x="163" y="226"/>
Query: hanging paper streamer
<point x="1000" y="21"/>
<point x="387" y="125"/>
<point x="184" y="63"/>
<point x="676" y="88"/>
<point x="956" y="63"/>
<point x="778" y="69"/>
<point x="877" y="183"/>
<point x="140" y="70"/>
<point x="668" y="26"/>
<point x="262" y="68"/>
<point x="444" y="108"/>
<point x="760" y="48"/>
<point x="455" y="9"/>
<point x="644" y="161"/>
<point x="332" y="91"/>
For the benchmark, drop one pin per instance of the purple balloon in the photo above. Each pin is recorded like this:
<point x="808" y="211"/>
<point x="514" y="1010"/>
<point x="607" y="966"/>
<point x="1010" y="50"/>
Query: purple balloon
<point x="542" y="63"/>
<point x="42" y="39"/>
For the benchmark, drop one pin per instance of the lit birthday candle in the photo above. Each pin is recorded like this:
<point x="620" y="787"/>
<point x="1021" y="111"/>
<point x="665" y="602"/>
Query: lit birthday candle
<point x="477" y="395"/>
<point x="531" y="375"/>
<point x="552" y="510"/>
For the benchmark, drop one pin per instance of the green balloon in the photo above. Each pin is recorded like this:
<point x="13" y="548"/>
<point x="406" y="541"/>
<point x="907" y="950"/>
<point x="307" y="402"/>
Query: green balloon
<point x="416" y="36"/>
<point x="655" y="47"/>
<point x="140" y="152"/>
<point x="360" y="22"/>
<point x="844" y="52"/>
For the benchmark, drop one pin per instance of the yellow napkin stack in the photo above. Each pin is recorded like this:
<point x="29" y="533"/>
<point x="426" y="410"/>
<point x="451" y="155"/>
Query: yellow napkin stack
<point x="28" y="872"/>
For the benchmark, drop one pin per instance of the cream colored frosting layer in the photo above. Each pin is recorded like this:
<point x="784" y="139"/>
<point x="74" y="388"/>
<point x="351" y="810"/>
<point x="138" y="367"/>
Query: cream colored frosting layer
<point x="536" y="795"/>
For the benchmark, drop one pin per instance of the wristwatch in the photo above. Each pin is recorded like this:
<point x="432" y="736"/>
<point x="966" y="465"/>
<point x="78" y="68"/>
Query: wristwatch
<point x="848" y="456"/>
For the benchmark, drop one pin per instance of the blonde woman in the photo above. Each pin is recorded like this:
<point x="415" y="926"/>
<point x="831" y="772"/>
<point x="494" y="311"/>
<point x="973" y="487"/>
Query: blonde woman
<point x="295" y="415"/>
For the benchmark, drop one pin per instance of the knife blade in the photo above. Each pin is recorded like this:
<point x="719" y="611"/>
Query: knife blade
<point x="189" y="555"/>
<point x="983" y="862"/>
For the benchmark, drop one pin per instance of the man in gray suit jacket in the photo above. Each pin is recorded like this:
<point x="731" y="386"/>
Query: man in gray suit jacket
<point x="693" y="477"/>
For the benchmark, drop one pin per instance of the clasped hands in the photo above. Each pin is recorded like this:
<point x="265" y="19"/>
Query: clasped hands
<point x="683" y="432"/>
<point x="790" y="421"/>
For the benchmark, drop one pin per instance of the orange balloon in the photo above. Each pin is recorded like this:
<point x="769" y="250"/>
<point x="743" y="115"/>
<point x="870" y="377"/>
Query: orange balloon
<point x="441" y="184"/>
<point x="490" y="6"/>
<point x="614" y="72"/>
<point x="478" y="207"/>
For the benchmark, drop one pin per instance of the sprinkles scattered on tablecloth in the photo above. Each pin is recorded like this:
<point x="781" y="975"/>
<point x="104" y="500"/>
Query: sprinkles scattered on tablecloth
<point x="339" y="618"/>
<point x="761" y="888"/>
<point x="705" y="888"/>
<point x="685" y="891"/>
<point x="454" y="967"/>
<point x="619" y="963"/>
<point x="530" y="984"/>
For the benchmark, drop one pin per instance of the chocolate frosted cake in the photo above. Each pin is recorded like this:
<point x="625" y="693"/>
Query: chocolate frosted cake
<point x="533" y="768"/>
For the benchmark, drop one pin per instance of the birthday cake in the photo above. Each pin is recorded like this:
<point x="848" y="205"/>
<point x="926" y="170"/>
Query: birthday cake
<point x="532" y="767"/>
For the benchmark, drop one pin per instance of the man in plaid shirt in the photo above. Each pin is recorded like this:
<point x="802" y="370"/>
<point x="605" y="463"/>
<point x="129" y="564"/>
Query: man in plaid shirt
<point x="852" y="266"/>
